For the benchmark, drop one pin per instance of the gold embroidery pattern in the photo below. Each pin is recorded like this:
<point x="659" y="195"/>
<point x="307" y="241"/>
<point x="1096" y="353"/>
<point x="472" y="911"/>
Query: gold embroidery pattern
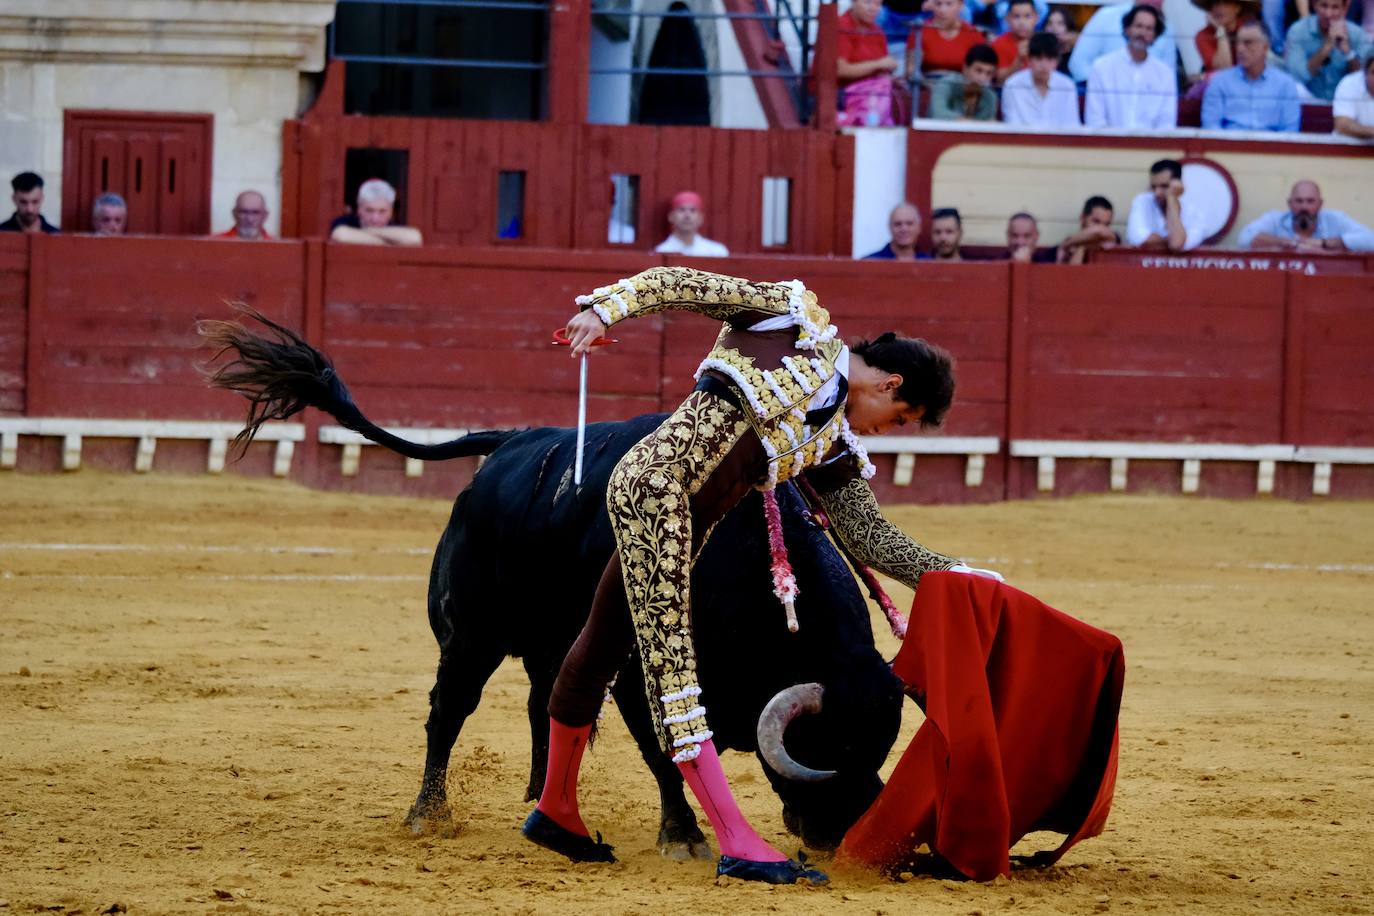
<point x="713" y="295"/>
<point x="873" y="540"/>
<point x="649" y="503"/>
<point x="778" y="399"/>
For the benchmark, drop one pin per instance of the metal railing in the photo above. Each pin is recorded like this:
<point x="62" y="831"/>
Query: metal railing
<point x="795" y="15"/>
<point x="535" y="6"/>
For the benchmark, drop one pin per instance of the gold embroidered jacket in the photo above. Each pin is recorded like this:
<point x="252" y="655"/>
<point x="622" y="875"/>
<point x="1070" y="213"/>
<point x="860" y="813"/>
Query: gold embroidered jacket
<point x="775" y="374"/>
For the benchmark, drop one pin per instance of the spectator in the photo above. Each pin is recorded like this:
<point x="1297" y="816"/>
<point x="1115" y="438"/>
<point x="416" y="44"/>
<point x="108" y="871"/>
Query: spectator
<point x="1159" y="217"/>
<point x="1023" y="240"/>
<point x="899" y="18"/>
<point x="1094" y="232"/>
<point x="250" y="212"/>
<point x="109" y="214"/>
<point x="28" y="206"/>
<point x="1103" y="35"/>
<point x="1306" y="227"/>
<point x="1057" y="24"/>
<point x="1216" y="42"/>
<point x="1040" y="96"/>
<point x="904" y="223"/>
<point x="863" y="68"/>
<point x="1003" y="7"/>
<point x="1353" y="108"/>
<point x="946" y="234"/>
<point x="967" y="96"/>
<point x="371" y="223"/>
<point x="1013" y="48"/>
<point x="686" y="215"/>
<point x="1322" y="48"/>
<point x="943" y="42"/>
<point x="1252" y="95"/>
<point x="1129" y="88"/>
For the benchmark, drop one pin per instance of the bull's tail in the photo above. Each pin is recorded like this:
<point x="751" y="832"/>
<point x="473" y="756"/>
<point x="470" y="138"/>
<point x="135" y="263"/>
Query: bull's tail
<point x="282" y="375"/>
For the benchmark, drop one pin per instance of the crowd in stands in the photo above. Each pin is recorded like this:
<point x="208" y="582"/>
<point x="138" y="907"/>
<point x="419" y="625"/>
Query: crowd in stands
<point x="371" y="223"/>
<point x="1023" y="61"/>
<point x="1159" y="219"/>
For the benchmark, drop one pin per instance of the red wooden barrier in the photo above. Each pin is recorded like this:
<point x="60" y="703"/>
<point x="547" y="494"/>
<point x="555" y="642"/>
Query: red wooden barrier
<point x="453" y="166"/>
<point x="112" y="331"/>
<point x="1192" y="356"/>
<point x="1331" y="340"/>
<point x="14" y="293"/>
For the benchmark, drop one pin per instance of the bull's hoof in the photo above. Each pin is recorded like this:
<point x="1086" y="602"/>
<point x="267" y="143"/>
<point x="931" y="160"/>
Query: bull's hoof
<point x="543" y="830"/>
<point x="686" y="850"/>
<point x="430" y="820"/>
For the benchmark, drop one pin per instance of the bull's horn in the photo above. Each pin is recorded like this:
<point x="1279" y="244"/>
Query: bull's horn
<point x="773" y="721"/>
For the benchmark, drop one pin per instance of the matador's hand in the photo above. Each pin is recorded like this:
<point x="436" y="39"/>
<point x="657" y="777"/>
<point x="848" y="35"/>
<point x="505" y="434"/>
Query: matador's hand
<point x="972" y="571"/>
<point x="582" y="330"/>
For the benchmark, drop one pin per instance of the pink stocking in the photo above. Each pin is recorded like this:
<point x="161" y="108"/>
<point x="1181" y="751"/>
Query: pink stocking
<point x="559" y="798"/>
<point x="707" y="781"/>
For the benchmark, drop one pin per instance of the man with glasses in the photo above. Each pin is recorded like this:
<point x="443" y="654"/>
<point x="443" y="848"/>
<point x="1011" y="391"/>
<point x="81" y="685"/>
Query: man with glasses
<point x="1252" y="95"/>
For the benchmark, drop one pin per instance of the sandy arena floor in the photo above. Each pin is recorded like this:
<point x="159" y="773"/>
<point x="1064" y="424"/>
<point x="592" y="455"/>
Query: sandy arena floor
<point x="200" y="713"/>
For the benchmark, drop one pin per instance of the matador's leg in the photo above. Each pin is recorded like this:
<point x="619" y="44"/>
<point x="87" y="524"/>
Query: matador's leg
<point x="650" y="500"/>
<point x="663" y="497"/>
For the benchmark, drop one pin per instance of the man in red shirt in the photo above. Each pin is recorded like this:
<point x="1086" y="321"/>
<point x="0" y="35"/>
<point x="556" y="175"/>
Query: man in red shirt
<point x="862" y="48"/>
<point x="863" y="68"/>
<point x="944" y="41"/>
<point x="1013" y="47"/>
<point x="250" y="212"/>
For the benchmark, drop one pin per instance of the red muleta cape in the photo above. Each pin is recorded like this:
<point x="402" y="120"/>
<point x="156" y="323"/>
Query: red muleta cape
<point x="1020" y="735"/>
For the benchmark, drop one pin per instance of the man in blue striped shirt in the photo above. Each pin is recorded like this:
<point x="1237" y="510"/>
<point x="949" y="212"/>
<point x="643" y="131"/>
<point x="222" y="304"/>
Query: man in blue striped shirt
<point x="1306" y="226"/>
<point x="1252" y="95"/>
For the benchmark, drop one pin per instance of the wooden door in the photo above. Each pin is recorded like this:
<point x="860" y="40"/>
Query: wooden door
<point x="158" y="162"/>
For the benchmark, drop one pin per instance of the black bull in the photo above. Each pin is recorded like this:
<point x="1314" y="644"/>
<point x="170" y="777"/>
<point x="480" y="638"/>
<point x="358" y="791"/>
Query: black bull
<point x="517" y="566"/>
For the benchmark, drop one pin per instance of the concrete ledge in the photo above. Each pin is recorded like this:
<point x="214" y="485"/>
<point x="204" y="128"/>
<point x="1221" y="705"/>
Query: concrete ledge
<point x="906" y="448"/>
<point x="73" y="429"/>
<point x="353" y="443"/>
<point x="1192" y="454"/>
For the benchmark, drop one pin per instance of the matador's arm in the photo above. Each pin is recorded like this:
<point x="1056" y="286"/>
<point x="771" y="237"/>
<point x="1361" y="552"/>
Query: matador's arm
<point x="873" y="540"/>
<point x="738" y="301"/>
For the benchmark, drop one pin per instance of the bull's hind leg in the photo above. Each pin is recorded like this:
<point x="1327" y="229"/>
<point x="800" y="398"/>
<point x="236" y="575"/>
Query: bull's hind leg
<point x="679" y="836"/>
<point x="463" y="671"/>
<point x="542" y="672"/>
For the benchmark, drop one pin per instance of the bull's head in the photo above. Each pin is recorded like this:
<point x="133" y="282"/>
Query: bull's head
<point x="827" y="771"/>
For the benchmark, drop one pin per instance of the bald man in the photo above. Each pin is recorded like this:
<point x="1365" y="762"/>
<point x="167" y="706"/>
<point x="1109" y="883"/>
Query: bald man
<point x="904" y="225"/>
<point x="1306" y="227"/>
<point x="686" y="214"/>
<point x="250" y="212"/>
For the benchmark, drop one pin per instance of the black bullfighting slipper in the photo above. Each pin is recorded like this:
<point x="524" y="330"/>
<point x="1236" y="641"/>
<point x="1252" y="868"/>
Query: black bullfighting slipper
<point x="789" y="872"/>
<point x="543" y="830"/>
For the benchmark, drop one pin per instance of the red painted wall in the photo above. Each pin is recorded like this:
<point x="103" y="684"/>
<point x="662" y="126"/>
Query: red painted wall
<point x="459" y="338"/>
<point x="14" y="292"/>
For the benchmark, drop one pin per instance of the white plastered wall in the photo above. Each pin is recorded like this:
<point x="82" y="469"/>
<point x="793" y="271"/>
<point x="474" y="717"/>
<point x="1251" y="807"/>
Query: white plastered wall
<point x="248" y="105"/>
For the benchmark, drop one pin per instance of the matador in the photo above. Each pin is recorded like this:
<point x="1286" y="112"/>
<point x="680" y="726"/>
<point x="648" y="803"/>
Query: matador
<point x="780" y="394"/>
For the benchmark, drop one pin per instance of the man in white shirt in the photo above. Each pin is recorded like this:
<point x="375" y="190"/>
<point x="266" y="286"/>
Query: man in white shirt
<point x="1129" y="88"/>
<point x="1353" y="107"/>
<point x="1159" y="217"/>
<point x="1102" y="35"/>
<point x="685" y="215"/>
<point x="1039" y="95"/>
